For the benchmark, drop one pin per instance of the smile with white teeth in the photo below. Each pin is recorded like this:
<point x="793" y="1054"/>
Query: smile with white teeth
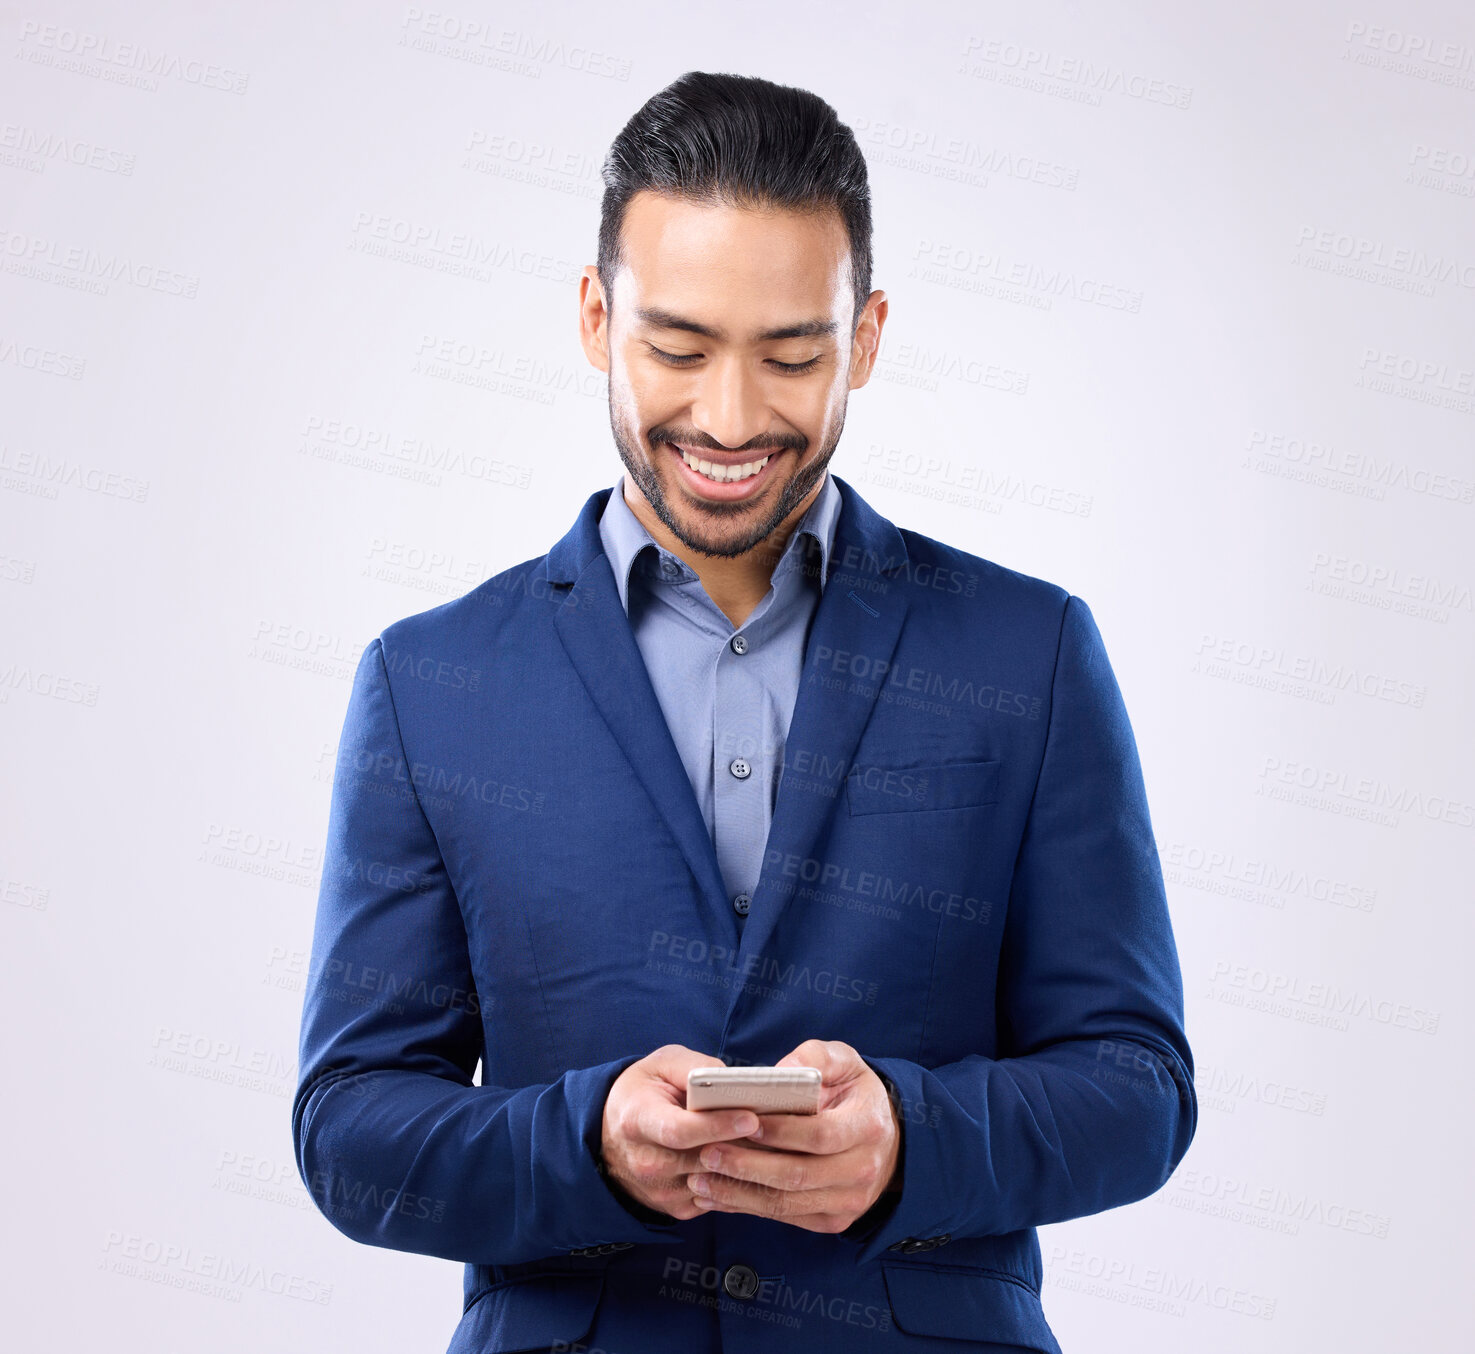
<point x="722" y="474"/>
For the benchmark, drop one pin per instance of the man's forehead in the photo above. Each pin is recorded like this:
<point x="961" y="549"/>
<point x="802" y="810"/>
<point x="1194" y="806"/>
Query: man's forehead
<point x="727" y="272"/>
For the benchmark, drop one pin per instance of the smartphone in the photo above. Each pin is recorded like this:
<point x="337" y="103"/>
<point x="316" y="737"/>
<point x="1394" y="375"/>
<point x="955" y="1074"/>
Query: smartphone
<point x="764" y="1090"/>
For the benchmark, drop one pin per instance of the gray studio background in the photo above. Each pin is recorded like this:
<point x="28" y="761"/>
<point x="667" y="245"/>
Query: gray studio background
<point x="1181" y="319"/>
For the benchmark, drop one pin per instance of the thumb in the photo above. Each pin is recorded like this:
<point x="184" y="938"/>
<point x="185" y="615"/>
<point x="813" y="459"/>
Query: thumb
<point x="835" y="1060"/>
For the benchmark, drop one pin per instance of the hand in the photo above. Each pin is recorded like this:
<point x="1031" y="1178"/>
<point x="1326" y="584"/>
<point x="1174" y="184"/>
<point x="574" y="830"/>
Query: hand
<point x="650" y="1140"/>
<point x="817" y="1171"/>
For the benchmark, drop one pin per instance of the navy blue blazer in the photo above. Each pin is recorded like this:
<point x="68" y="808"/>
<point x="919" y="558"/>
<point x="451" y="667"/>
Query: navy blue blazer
<point x="961" y="881"/>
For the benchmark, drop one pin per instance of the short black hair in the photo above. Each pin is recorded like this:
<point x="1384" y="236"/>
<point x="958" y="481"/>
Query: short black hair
<point x="739" y="141"/>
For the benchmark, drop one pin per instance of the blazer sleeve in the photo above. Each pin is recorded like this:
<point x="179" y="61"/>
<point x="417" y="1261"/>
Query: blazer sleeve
<point x="395" y="1143"/>
<point x="1094" y="1106"/>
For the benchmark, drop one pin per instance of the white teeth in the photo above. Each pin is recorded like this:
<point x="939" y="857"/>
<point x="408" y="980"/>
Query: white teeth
<point x="723" y="474"/>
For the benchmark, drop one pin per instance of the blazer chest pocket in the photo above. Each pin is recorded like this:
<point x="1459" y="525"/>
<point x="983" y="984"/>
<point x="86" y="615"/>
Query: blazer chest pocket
<point x="944" y="785"/>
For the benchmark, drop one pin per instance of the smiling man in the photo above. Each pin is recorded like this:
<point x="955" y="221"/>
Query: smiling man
<point x="739" y="772"/>
<point x="725" y="419"/>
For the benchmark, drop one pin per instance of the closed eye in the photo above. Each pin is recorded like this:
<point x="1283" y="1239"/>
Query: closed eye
<point x="686" y="359"/>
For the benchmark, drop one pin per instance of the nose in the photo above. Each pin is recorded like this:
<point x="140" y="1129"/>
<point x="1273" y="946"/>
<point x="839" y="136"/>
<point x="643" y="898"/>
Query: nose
<point x="729" y="404"/>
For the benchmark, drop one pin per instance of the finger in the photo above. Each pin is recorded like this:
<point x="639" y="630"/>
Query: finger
<point x="653" y="1165"/>
<point x="657" y="1178"/>
<point x="813" y="1053"/>
<point x="681" y="1130"/>
<point x="738" y="1196"/>
<point x="672" y="1062"/>
<point x="790" y="1171"/>
<point x="840" y="1066"/>
<point x="829" y="1131"/>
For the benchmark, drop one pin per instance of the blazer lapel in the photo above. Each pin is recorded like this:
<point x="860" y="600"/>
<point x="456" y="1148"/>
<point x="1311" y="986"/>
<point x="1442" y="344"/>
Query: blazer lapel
<point x="596" y="633"/>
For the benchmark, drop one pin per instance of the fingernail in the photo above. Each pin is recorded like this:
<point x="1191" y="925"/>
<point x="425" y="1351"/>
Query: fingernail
<point x="699" y="1184"/>
<point x="757" y="1132"/>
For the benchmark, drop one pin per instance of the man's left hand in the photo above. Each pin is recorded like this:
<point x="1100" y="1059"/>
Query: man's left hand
<point x="817" y="1171"/>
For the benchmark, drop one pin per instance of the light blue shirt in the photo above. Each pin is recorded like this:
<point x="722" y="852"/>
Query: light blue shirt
<point x="727" y="693"/>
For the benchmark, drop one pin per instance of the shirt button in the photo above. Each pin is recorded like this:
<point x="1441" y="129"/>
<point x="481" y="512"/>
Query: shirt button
<point x="670" y="568"/>
<point x="741" y="903"/>
<point x="740" y="768"/>
<point x="738" y="644"/>
<point x="741" y="1281"/>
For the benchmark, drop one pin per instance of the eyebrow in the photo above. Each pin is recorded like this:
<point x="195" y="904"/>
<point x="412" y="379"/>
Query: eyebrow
<point x="666" y="319"/>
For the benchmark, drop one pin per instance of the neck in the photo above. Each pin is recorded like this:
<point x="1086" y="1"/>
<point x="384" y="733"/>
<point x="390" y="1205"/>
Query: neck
<point x="736" y="583"/>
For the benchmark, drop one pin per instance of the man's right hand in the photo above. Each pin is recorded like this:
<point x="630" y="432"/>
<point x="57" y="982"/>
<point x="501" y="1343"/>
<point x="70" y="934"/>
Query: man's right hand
<point x="651" y="1141"/>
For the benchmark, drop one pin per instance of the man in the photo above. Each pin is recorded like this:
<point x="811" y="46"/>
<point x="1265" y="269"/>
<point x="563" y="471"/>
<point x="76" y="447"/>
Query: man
<point x="739" y="772"/>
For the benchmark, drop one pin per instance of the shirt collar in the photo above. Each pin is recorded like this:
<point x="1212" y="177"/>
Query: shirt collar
<point x="625" y="538"/>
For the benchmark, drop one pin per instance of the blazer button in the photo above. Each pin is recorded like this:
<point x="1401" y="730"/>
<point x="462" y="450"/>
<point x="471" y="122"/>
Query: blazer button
<point x="741" y="1281"/>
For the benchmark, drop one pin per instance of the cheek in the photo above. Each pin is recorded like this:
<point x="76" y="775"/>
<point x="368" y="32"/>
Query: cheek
<point x="644" y="395"/>
<point x="820" y="409"/>
<point x="621" y="392"/>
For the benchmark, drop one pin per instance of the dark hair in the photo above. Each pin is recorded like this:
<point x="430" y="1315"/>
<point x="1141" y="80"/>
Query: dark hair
<point x="739" y="141"/>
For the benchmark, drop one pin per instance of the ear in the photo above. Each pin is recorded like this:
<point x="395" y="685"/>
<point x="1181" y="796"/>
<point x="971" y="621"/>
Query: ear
<point x="593" y="318"/>
<point x="867" y="339"/>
